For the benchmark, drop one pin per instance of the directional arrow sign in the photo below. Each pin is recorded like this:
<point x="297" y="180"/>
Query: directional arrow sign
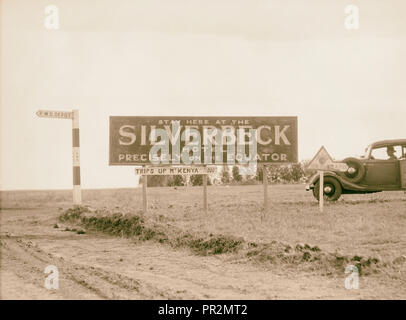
<point x="55" y="114"/>
<point x="323" y="161"/>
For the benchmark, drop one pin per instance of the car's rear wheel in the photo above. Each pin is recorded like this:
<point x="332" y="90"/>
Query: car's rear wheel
<point x="332" y="189"/>
<point x="355" y="171"/>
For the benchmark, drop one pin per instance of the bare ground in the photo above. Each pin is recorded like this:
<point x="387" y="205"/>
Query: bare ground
<point x="99" y="266"/>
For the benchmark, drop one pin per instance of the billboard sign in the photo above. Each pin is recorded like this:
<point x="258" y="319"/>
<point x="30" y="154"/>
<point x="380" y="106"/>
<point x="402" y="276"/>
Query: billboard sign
<point x="202" y="140"/>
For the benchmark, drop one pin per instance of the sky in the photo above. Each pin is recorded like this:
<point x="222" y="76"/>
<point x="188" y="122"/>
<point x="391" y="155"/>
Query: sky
<point x="192" y="58"/>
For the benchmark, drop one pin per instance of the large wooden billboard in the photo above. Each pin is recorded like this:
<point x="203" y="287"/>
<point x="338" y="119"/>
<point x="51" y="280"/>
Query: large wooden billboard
<point x="202" y="140"/>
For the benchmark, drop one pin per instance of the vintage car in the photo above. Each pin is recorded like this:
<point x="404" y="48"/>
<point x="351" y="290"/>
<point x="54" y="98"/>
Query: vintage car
<point x="382" y="168"/>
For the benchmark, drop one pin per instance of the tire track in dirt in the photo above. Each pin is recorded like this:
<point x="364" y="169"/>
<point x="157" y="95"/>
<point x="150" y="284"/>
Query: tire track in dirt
<point x="160" y="270"/>
<point x="27" y="261"/>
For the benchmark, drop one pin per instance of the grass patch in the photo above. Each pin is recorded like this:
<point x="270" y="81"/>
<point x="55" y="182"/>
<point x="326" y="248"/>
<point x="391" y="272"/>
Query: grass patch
<point x="312" y="258"/>
<point x="275" y="252"/>
<point x="133" y="226"/>
<point x="213" y="245"/>
<point x="113" y="224"/>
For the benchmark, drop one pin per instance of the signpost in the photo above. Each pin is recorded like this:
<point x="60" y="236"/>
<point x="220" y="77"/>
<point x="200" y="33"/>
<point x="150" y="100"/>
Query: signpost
<point x="144" y="193"/>
<point x="205" y="206"/>
<point x="265" y="182"/>
<point x="186" y="145"/>
<point x="74" y="115"/>
<point x="178" y="170"/>
<point x="322" y="161"/>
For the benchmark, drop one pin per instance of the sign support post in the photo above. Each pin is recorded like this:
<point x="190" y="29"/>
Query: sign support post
<point x="321" y="190"/>
<point x="265" y="181"/>
<point x="205" y="193"/>
<point x="144" y="193"/>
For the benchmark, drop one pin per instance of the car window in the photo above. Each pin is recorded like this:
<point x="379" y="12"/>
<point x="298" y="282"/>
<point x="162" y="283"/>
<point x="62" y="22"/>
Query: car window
<point x="382" y="153"/>
<point x="366" y="152"/>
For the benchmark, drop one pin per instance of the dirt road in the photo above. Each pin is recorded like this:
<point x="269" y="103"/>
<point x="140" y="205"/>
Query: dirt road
<point x="96" y="266"/>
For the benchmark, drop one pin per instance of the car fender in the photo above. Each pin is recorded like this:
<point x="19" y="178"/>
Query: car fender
<point x="345" y="184"/>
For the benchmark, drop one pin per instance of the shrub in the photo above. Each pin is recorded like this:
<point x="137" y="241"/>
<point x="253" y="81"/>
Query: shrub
<point x="176" y="181"/>
<point x="196" y="180"/>
<point x="157" y="181"/>
<point x="236" y="174"/>
<point x="225" y="175"/>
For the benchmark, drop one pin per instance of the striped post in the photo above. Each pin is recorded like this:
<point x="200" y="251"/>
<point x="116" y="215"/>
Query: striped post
<point x="77" y="195"/>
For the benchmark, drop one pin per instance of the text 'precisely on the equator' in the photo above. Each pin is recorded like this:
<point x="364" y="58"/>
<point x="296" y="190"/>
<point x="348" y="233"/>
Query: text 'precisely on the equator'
<point x="202" y="140"/>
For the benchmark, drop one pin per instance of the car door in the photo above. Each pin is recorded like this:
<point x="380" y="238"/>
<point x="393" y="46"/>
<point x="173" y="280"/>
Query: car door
<point x="402" y="164"/>
<point x="403" y="173"/>
<point x="382" y="173"/>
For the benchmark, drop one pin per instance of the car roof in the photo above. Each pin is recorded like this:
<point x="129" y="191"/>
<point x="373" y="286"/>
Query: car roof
<point x="384" y="143"/>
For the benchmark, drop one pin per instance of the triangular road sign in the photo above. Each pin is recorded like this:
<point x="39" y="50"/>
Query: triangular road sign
<point x="321" y="161"/>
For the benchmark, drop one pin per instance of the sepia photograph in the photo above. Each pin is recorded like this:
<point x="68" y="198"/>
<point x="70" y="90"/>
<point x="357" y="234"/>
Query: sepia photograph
<point x="216" y="152"/>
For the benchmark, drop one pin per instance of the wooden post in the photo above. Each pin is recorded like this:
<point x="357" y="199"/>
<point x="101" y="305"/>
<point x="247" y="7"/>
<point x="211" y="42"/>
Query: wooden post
<point x="321" y="190"/>
<point x="144" y="193"/>
<point x="205" y="193"/>
<point x="265" y="181"/>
